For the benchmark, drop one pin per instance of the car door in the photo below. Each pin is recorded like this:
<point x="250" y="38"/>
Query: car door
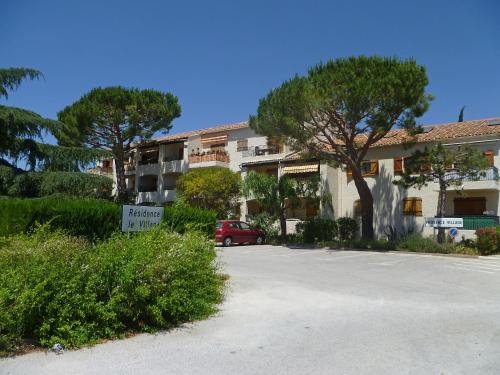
<point x="236" y="232"/>
<point x="247" y="233"/>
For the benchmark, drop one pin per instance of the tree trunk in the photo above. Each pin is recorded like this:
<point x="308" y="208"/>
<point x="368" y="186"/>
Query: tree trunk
<point x="441" y="211"/>
<point x="366" y="199"/>
<point x="283" y="225"/>
<point x="121" y="186"/>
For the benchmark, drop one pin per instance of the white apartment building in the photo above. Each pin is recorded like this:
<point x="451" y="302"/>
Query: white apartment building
<point x="154" y="166"/>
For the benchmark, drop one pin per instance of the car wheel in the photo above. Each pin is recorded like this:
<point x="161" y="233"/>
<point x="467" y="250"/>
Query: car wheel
<point x="259" y="240"/>
<point x="228" y="241"/>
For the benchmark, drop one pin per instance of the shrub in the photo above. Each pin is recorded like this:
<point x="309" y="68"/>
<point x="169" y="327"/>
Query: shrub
<point x="318" y="229"/>
<point x="80" y="217"/>
<point x="182" y="218"/>
<point x="372" y="244"/>
<point x="347" y="228"/>
<point x="488" y="241"/>
<point x="418" y="243"/>
<point x="58" y="288"/>
<point x="40" y="184"/>
<point x="265" y="222"/>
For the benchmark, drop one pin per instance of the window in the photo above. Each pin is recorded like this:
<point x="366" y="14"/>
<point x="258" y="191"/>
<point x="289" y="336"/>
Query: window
<point x="219" y="225"/>
<point x="398" y="165"/>
<point x="244" y="225"/>
<point x="412" y="206"/>
<point x="242" y="145"/>
<point x="148" y="183"/>
<point x="234" y="226"/>
<point x="489" y="156"/>
<point x="368" y="168"/>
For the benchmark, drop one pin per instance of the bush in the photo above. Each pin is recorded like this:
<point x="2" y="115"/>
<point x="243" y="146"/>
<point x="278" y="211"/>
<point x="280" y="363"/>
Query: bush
<point x="372" y="244"/>
<point x="347" y="228"/>
<point x="319" y="230"/>
<point x="418" y="243"/>
<point x="79" y="217"/>
<point x="58" y="288"/>
<point x="182" y="218"/>
<point x="266" y="223"/>
<point x="41" y="184"/>
<point x="488" y="241"/>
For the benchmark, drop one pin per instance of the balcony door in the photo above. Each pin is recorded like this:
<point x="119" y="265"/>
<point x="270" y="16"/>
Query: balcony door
<point x="469" y="206"/>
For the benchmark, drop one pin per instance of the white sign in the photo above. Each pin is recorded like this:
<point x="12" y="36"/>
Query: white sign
<point x="444" y="222"/>
<point x="137" y="218"/>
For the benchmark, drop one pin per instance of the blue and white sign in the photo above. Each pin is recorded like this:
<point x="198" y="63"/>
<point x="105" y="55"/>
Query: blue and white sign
<point x="137" y="218"/>
<point x="444" y="222"/>
<point x="453" y="232"/>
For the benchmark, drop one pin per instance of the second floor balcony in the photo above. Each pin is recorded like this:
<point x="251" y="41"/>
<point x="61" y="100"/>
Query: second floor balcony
<point x="487" y="180"/>
<point x="209" y="159"/>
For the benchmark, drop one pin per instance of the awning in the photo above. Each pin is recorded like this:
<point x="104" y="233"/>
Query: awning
<point x="301" y="168"/>
<point x="214" y="139"/>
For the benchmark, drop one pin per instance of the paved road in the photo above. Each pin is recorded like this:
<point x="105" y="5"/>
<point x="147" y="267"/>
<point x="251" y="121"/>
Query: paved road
<point x="297" y="311"/>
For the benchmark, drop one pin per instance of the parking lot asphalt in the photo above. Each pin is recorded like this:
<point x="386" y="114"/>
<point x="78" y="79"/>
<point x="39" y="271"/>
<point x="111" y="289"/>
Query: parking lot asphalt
<point x="318" y="311"/>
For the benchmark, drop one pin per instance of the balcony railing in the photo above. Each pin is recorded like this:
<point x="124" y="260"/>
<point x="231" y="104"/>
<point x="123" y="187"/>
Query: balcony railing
<point x="473" y="222"/>
<point x="216" y="156"/>
<point x="490" y="174"/>
<point x="261" y="150"/>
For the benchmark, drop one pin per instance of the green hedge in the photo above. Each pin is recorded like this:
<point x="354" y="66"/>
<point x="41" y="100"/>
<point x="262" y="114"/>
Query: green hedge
<point x="315" y="230"/>
<point x="80" y="217"/>
<point x="55" y="288"/>
<point x="41" y="184"/>
<point x="182" y="218"/>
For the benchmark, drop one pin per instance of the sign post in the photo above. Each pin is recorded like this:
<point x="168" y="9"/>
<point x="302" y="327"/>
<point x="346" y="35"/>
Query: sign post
<point x="138" y="218"/>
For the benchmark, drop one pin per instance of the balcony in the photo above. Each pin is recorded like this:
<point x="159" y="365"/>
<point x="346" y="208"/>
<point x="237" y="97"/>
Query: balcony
<point x="261" y="151"/>
<point x="488" y="181"/>
<point x="211" y="159"/>
<point x="473" y="222"/>
<point x="173" y="166"/>
<point x="102" y="171"/>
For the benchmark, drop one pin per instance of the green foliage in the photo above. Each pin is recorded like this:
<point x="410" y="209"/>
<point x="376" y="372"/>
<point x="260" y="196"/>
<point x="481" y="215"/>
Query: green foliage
<point x="216" y="189"/>
<point x="11" y="78"/>
<point x="266" y="223"/>
<point x="68" y="159"/>
<point x="182" y="218"/>
<point x="346" y="228"/>
<point x="488" y="241"/>
<point x="7" y="175"/>
<point x="372" y="244"/>
<point x="80" y="217"/>
<point x="418" y="243"/>
<point x="447" y="166"/>
<point x="112" y="118"/>
<point x="342" y="107"/>
<point x="57" y="288"/>
<point x="317" y="229"/>
<point x="40" y="184"/>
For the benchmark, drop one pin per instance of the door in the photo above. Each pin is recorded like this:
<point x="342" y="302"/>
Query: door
<point x="236" y="232"/>
<point x="469" y="206"/>
<point x="247" y="233"/>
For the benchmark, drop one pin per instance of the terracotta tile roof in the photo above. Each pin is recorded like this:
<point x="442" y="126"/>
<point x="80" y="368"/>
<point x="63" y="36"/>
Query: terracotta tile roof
<point x="442" y="132"/>
<point x="214" y="129"/>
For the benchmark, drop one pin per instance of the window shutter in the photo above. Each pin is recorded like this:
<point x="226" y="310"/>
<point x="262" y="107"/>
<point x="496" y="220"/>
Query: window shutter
<point x="357" y="207"/>
<point x="489" y="156"/>
<point x="348" y="170"/>
<point x="242" y="145"/>
<point x="412" y="206"/>
<point x="373" y="167"/>
<point x="426" y="168"/>
<point x="398" y="165"/>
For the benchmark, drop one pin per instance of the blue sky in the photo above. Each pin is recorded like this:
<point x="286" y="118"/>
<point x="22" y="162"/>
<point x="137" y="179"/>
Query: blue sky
<point x="220" y="57"/>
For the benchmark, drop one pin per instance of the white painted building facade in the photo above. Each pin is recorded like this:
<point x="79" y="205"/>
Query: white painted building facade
<point x="154" y="167"/>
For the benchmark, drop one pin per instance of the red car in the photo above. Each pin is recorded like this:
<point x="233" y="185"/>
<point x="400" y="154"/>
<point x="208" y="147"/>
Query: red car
<point x="228" y="232"/>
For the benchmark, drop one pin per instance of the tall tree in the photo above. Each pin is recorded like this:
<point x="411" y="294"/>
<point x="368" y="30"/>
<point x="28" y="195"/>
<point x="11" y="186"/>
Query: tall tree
<point x="341" y="108"/>
<point x="461" y="114"/>
<point x="448" y="167"/>
<point x="274" y="195"/>
<point x="112" y="118"/>
<point x="216" y="189"/>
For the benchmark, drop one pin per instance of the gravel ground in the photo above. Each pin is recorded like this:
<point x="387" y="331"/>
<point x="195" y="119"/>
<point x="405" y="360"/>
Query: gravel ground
<point x="306" y="311"/>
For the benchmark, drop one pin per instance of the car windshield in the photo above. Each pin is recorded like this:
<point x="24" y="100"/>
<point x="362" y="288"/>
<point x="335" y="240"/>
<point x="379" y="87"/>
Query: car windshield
<point x="218" y="225"/>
